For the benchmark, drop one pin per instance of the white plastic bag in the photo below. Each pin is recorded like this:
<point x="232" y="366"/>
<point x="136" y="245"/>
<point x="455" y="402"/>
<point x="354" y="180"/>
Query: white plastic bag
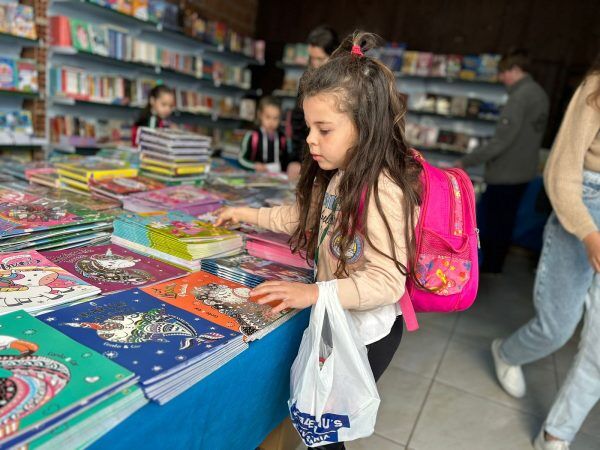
<point x="333" y="393"/>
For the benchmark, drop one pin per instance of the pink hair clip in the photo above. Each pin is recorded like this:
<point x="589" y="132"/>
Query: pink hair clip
<point x="356" y="50"/>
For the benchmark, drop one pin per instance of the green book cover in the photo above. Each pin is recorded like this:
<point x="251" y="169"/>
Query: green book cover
<point x="80" y="36"/>
<point x="45" y="375"/>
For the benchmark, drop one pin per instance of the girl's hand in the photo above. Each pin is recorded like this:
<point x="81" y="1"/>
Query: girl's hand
<point x="260" y="167"/>
<point x="291" y="295"/>
<point x="592" y="245"/>
<point x="233" y="216"/>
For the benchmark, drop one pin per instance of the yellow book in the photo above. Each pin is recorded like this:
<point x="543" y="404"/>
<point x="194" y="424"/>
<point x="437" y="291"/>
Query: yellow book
<point x="76" y="184"/>
<point x="175" y="171"/>
<point x="95" y="168"/>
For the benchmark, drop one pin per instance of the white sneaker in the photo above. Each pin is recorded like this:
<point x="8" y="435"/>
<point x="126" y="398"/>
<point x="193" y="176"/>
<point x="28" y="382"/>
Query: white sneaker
<point x="510" y="377"/>
<point x="541" y="443"/>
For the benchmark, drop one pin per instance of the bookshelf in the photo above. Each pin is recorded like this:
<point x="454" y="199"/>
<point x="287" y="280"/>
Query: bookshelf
<point x="12" y="39"/>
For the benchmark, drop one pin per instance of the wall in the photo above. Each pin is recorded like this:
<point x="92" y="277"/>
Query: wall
<point x="562" y="36"/>
<point x="238" y="14"/>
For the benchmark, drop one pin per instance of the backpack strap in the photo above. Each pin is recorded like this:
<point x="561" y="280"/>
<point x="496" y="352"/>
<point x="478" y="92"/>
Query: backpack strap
<point x="254" y="145"/>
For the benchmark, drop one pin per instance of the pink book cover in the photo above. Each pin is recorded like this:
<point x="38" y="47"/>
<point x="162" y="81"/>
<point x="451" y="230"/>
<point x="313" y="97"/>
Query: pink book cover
<point x="270" y="238"/>
<point x="176" y="197"/>
<point x="112" y="268"/>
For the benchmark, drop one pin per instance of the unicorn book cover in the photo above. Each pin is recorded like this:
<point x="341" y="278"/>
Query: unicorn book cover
<point x="30" y="281"/>
<point x="112" y="268"/>
<point x="151" y="338"/>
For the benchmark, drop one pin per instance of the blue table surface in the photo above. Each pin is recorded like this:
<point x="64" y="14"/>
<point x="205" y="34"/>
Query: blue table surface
<point x="234" y="408"/>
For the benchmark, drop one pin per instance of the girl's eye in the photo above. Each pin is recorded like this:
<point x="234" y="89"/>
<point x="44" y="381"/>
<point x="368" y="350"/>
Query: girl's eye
<point x="324" y="132"/>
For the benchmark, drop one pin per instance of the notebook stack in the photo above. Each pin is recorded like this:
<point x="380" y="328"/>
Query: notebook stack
<point x="176" y="238"/>
<point x="188" y="199"/>
<point x="119" y="188"/>
<point x="252" y="271"/>
<point x="54" y="381"/>
<point x="31" y="282"/>
<point x="75" y="175"/>
<point x="32" y="221"/>
<point x="274" y="247"/>
<point x="221" y="301"/>
<point x="168" y="348"/>
<point x="111" y="268"/>
<point x="173" y="156"/>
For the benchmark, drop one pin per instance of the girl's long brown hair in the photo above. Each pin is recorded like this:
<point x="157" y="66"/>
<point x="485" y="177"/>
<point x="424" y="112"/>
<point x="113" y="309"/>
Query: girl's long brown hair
<point x="365" y="89"/>
<point x="594" y="98"/>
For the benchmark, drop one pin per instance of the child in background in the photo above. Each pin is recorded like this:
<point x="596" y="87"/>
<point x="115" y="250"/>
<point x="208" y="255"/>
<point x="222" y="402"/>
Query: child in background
<point x="357" y="199"/>
<point x="161" y="103"/>
<point x="265" y="149"/>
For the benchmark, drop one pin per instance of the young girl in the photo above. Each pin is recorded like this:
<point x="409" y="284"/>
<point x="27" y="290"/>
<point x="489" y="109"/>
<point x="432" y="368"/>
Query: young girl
<point x="161" y="103"/>
<point x="265" y="149"/>
<point x="357" y="151"/>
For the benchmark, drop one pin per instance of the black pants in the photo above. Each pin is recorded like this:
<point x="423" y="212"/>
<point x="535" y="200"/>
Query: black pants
<point x="496" y="219"/>
<point x="380" y="355"/>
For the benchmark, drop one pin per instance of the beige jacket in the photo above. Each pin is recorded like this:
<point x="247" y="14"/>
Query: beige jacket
<point x="576" y="147"/>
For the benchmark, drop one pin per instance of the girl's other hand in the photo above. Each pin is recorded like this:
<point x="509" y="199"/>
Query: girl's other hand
<point x="227" y="215"/>
<point x="592" y="245"/>
<point x="260" y="167"/>
<point x="291" y="295"/>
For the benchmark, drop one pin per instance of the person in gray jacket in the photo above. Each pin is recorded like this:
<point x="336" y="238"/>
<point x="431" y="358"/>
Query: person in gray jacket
<point x="511" y="158"/>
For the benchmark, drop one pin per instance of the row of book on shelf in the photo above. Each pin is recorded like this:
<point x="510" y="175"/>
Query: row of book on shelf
<point x="17" y="19"/>
<point x="427" y="135"/>
<point x="79" y="84"/>
<point x="18" y="74"/>
<point x="116" y="42"/>
<point x="454" y="105"/>
<point x="186" y="17"/>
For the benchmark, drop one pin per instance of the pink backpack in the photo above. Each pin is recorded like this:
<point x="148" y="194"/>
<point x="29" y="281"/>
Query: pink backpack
<point x="447" y="240"/>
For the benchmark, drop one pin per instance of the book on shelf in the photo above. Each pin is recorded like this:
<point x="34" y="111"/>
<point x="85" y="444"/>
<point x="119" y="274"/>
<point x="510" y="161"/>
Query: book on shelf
<point x="8" y="73"/>
<point x="17" y="19"/>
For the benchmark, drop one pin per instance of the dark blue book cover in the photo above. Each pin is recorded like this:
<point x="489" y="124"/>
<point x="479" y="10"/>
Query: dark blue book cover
<point x="140" y="333"/>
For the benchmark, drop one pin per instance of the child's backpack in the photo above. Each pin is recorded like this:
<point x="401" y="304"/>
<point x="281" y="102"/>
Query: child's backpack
<point x="447" y="243"/>
<point x="254" y="144"/>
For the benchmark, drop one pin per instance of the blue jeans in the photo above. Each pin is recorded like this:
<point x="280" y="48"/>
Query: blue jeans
<point x="565" y="284"/>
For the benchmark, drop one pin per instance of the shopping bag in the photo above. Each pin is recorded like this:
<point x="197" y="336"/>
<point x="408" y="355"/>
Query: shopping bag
<point x="333" y="393"/>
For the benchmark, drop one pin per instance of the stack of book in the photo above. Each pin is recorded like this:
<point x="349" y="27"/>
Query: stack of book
<point x="168" y="348"/>
<point x="176" y="238"/>
<point x="174" y="156"/>
<point x="188" y="199"/>
<point x="112" y="268"/>
<point x="118" y="188"/>
<point x="55" y="382"/>
<point x="274" y="247"/>
<point x="77" y="174"/>
<point x="252" y="271"/>
<point x="32" y="221"/>
<point x="221" y="301"/>
<point x="30" y="281"/>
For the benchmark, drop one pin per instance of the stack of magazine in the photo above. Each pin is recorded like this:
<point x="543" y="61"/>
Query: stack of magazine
<point x="76" y="175"/>
<point x="44" y="222"/>
<point x="175" y="237"/>
<point x="252" y="271"/>
<point x="55" y="382"/>
<point x="274" y="247"/>
<point x="118" y="188"/>
<point x="174" y="156"/>
<point x="168" y="348"/>
<point x="188" y="199"/>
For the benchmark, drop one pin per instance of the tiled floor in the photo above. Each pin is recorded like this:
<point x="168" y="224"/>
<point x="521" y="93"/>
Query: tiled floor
<point x="440" y="392"/>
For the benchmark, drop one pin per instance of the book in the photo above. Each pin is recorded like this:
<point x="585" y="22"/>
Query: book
<point x="8" y="73"/>
<point x="50" y="378"/>
<point x="470" y="67"/>
<point x="97" y="168"/>
<point x="458" y="106"/>
<point x="424" y="63"/>
<point x="80" y="35"/>
<point x="120" y="187"/>
<point x="112" y="268"/>
<point x="191" y="200"/>
<point x="454" y="65"/>
<point x="98" y="40"/>
<point x="23" y="21"/>
<point x="439" y="65"/>
<point x="30" y="281"/>
<point x="167" y="347"/>
<point x="220" y="301"/>
<point x="27" y="77"/>
<point x="409" y="62"/>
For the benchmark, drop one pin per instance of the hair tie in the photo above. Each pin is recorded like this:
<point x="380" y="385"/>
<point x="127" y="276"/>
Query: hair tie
<point x="356" y="50"/>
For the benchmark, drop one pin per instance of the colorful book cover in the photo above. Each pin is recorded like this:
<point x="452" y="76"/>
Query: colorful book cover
<point x="30" y="281"/>
<point x="221" y="301"/>
<point x="95" y="168"/>
<point x="262" y="268"/>
<point x="27" y="76"/>
<point x="98" y="39"/>
<point x="44" y="214"/>
<point x="122" y="186"/>
<point x="47" y="375"/>
<point x="80" y="35"/>
<point x="112" y="268"/>
<point x="23" y="21"/>
<point x="8" y="73"/>
<point x="139" y="332"/>
<point x="179" y="197"/>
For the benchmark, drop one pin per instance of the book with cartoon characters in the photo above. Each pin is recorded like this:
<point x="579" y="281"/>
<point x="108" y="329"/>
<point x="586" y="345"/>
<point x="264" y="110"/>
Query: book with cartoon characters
<point x="221" y="301"/>
<point x="48" y="378"/>
<point x="251" y="271"/>
<point x="167" y="347"/>
<point x="31" y="282"/>
<point x="112" y="268"/>
<point x="188" y="199"/>
<point x="120" y="187"/>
